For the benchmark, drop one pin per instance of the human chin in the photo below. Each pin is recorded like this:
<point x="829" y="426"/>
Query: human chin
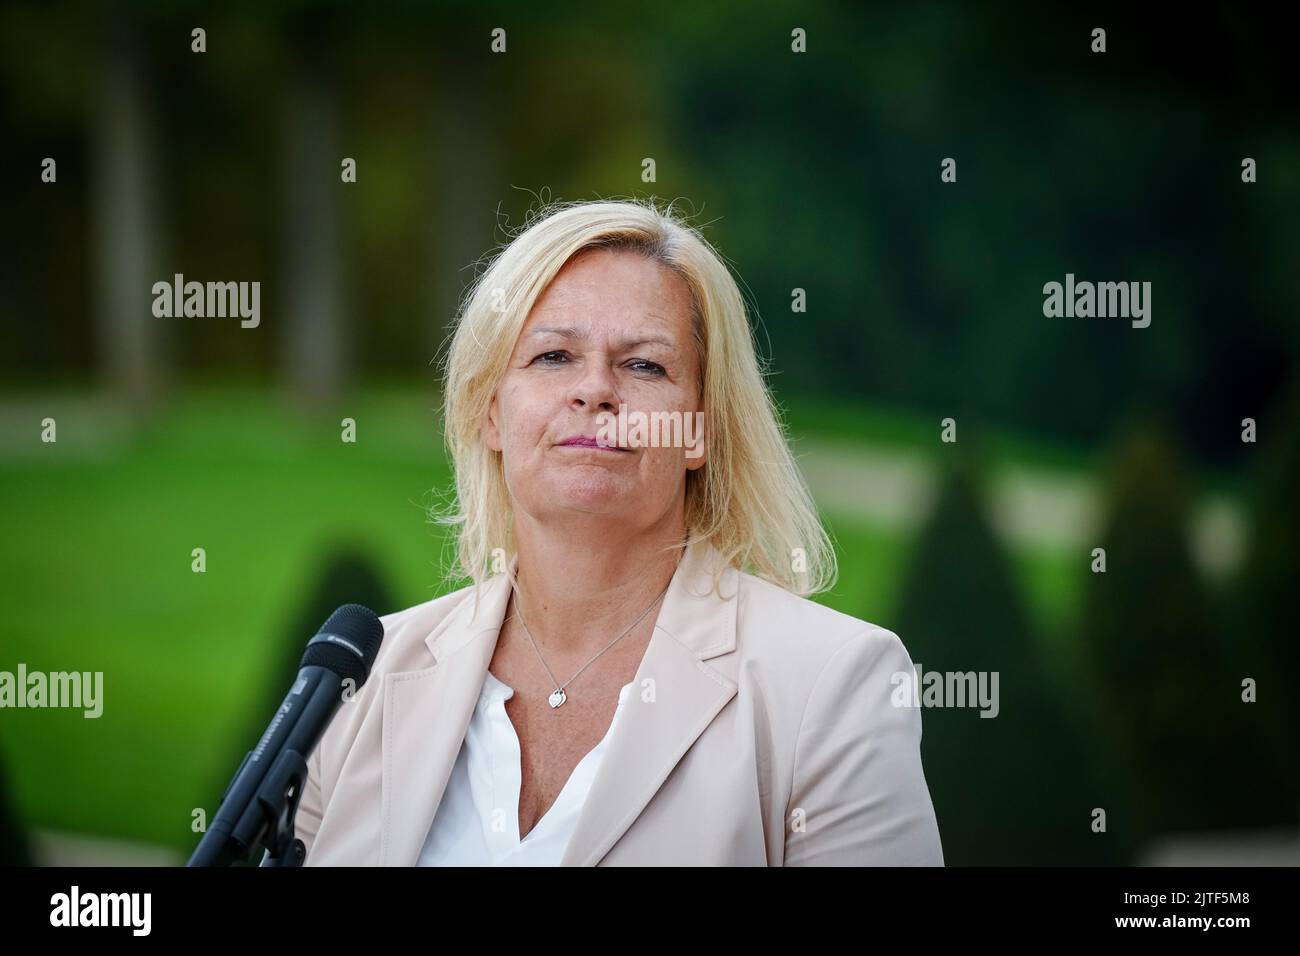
<point x="589" y="488"/>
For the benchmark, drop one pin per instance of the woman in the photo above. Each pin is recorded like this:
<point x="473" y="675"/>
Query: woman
<point x="634" y="675"/>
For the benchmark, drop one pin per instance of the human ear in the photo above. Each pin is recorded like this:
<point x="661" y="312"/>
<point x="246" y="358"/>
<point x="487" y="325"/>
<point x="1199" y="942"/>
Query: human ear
<point x="491" y="430"/>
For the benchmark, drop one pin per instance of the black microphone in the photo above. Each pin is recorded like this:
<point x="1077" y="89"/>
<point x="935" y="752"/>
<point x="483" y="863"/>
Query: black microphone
<point x="259" y="804"/>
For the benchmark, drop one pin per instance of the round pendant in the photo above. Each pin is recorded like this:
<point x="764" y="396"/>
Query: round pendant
<point x="557" y="698"/>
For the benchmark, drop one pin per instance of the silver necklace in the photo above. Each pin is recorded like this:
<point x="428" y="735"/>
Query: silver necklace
<point x="558" y="697"/>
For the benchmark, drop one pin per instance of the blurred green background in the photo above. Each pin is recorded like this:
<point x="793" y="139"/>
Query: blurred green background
<point x="820" y="171"/>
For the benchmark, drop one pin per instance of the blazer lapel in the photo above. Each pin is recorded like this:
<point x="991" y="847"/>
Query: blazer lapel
<point x="426" y="714"/>
<point x="674" y="697"/>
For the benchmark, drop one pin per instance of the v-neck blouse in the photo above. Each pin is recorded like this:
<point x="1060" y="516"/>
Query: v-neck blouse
<point x="477" y="822"/>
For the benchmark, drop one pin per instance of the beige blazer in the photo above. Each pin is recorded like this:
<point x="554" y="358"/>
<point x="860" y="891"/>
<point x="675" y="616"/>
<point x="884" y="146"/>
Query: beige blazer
<point x="760" y="731"/>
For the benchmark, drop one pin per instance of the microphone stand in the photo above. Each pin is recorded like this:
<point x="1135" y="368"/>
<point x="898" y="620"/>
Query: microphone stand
<point x="268" y="820"/>
<point x="279" y="796"/>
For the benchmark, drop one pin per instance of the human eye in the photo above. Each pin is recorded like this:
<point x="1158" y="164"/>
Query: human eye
<point x="646" y="367"/>
<point x="554" y="357"/>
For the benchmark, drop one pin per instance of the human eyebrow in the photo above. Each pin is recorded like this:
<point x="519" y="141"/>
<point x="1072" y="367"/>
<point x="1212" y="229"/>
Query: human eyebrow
<point x="638" y="339"/>
<point x="567" y="332"/>
<point x="648" y="340"/>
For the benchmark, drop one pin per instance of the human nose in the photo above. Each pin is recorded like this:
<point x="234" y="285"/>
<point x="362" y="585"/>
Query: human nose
<point x="595" y="388"/>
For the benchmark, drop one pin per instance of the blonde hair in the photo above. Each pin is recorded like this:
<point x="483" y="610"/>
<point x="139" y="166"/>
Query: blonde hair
<point x="748" y="500"/>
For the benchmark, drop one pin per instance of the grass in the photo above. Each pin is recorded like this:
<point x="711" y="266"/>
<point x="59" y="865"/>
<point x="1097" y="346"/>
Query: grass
<point x="96" y="557"/>
<point x="98" y="563"/>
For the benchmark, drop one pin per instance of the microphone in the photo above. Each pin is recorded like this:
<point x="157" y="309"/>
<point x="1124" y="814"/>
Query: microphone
<point x="260" y="801"/>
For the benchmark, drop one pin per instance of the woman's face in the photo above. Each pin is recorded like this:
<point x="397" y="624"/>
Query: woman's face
<point x="613" y="328"/>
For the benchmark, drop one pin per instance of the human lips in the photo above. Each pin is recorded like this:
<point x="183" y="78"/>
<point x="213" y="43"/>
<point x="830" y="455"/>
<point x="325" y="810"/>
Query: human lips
<point x="589" y="441"/>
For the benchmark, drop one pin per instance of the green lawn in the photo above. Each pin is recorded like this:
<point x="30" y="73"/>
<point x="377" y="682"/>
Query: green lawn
<point x="96" y="558"/>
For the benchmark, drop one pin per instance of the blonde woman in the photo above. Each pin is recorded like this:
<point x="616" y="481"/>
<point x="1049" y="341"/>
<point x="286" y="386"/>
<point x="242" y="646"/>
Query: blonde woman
<point x="634" y="674"/>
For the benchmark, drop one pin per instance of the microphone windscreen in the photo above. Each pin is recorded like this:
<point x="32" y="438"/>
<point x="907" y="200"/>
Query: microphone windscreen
<point x="347" y="643"/>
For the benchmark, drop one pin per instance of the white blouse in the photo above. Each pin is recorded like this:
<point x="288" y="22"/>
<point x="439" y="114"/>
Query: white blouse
<point x="477" y="822"/>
